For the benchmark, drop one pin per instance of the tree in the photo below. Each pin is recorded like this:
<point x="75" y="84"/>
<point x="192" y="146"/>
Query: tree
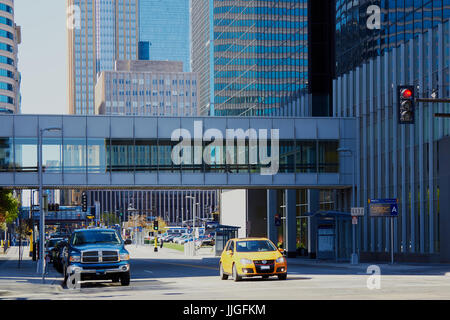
<point x="110" y="219"/>
<point x="9" y="207"/>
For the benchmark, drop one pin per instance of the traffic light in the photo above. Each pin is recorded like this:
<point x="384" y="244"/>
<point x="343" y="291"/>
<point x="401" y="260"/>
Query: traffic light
<point x="155" y="225"/>
<point x="406" y="104"/>
<point x="84" y="202"/>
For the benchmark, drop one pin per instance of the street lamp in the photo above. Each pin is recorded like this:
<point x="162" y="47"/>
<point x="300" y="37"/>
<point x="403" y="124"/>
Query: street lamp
<point x="193" y="219"/>
<point x="131" y="209"/>
<point x="354" y="256"/>
<point x="41" y="263"/>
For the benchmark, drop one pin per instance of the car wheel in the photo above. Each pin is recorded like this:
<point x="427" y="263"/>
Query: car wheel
<point x="236" y="276"/>
<point x="282" y="276"/>
<point x="125" y="279"/>
<point x="223" y="276"/>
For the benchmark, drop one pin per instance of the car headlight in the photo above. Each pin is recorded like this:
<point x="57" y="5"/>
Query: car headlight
<point x="246" y="261"/>
<point x="75" y="258"/>
<point x="124" y="256"/>
<point x="281" y="260"/>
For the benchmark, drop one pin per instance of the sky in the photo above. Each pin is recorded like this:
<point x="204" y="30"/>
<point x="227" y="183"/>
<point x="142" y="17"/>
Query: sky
<point x="43" y="55"/>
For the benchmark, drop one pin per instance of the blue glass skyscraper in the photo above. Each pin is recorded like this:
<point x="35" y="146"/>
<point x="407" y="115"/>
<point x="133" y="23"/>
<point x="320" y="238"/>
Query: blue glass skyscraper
<point x="250" y="55"/>
<point x="165" y="25"/>
<point x="357" y="40"/>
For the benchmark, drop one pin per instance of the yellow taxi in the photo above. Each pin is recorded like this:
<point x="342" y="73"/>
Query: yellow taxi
<point x="251" y="257"/>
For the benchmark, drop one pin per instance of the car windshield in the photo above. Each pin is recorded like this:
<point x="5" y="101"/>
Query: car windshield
<point x="53" y="242"/>
<point x="255" y="246"/>
<point x="95" y="236"/>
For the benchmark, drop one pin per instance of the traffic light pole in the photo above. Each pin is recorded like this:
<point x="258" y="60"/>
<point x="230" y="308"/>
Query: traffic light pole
<point x="431" y="100"/>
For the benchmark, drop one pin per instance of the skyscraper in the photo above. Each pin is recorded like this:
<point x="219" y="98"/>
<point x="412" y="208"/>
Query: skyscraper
<point x="250" y="56"/>
<point x="9" y="76"/>
<point x="165" y="26"/>
<point x="99" y="32"/>
<point x="366" y="28"/>
<point x="382" y="45"/>
<point x="147" y="88"/>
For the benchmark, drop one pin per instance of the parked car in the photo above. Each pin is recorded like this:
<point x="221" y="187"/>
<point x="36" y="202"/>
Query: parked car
<point x="50" y="247"/>
<point x="97" y="254"/>
<point x="58" y="254"/>
<point x="178" y="238"/>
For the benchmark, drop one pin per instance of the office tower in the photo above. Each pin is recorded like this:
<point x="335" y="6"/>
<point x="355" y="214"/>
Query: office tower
<point x="366" y="29"/>
<point x="250" y="56"/>
<point x="147" y="88"/>
<point x="101" y="32"/>
<point x="398" y="161"/>
<point x="164" y="27"/>
<point x="10" y="37"/>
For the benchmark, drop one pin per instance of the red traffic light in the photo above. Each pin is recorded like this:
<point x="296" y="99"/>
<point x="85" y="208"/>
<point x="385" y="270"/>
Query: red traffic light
<point x="406" y="93"/>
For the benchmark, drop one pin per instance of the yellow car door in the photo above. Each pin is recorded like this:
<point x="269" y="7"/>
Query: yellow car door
<point x="227" y="257"/>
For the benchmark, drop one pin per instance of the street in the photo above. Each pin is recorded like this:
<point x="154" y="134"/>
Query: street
<point x="169" y="275"/>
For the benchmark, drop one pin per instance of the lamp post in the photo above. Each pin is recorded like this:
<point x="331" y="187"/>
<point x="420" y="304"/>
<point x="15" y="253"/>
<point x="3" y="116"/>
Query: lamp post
<point x="41" y="263"/>
<point x="354" y="256"/>
<point x="131" y="209"/>
<point x="193" y="220"/>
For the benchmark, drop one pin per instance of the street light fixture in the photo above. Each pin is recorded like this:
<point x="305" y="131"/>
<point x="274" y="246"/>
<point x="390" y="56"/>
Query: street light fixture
<point x="41" y="263"/>
<point x="354" y="257"/>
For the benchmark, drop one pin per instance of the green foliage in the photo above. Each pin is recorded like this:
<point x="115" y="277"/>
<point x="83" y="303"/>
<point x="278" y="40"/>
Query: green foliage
<point x="9" y="207"/>
<point x="110" y="219"/>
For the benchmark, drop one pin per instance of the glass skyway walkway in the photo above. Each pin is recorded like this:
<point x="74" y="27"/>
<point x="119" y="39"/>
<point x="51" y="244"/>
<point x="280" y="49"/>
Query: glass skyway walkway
<point x="175" y="152"/>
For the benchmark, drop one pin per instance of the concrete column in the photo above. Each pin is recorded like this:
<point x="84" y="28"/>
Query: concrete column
<point x="291" y="222"/>
<point x="313" y="207"/>
<point x="272" y="207"/>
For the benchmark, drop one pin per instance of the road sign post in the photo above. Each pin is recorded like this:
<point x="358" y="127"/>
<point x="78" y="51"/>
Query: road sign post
<point x="387" y="208"/>
<point x="355" y="212"/>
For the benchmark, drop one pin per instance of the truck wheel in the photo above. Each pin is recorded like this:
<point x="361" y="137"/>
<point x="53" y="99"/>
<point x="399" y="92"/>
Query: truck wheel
<point x="64" y="271"/>
<point x="125" y="279"/>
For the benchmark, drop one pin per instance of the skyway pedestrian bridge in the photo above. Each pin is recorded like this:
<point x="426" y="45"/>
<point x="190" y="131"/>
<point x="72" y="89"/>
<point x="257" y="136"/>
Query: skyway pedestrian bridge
<point x="133" y="152"/>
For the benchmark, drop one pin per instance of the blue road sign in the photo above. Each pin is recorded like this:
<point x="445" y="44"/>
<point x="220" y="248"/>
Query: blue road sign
<point x="383" y="207"/>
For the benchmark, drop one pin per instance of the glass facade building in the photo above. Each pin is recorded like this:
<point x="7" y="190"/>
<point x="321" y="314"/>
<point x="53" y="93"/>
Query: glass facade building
<point x="9" y="75"/>
<point x="174" y="206"/>
<point x="147" y="93"/>
<point x="358" y="38"/>
<point x="251" y="56"/>
<point x="165" y="25"/>
<point x="402" y="161"/>
<point x="102" y="32"/>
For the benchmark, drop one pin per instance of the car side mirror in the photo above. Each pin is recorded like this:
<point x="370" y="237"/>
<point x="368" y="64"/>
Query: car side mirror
<point x="127" y="242"/>
<point x="282" y="251"/>
<point x="230" y="252"/>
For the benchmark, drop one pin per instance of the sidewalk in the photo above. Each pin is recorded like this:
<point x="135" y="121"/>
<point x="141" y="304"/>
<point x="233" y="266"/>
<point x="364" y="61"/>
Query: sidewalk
<point x="15" y="279"/>
<point x="385" y="267"/>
